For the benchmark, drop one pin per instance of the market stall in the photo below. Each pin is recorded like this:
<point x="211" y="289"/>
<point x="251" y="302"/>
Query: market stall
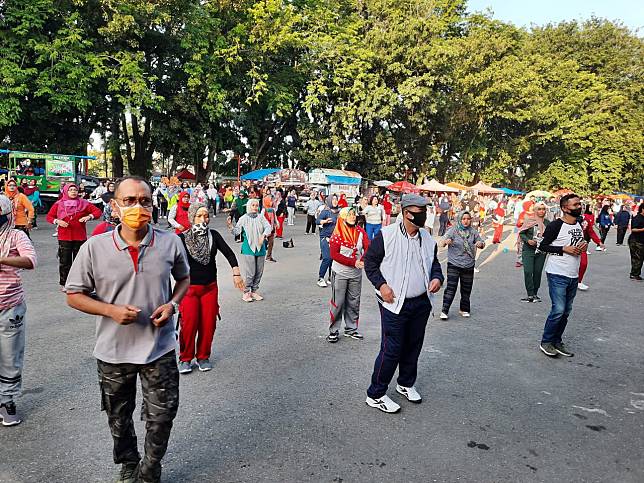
<point x="434" y="186"/>
<point x="336" y="181"/>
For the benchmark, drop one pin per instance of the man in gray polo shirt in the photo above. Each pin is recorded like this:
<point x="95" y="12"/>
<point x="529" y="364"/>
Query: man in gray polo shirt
<point x="129" y="268"/>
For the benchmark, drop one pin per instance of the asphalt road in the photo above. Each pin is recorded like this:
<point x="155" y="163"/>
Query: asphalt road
<point x="284" y="405"/>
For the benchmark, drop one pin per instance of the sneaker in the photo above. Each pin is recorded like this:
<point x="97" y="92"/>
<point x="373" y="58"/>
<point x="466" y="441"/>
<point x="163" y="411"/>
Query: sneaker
<point x="333" y="337"/>
<point x="548" y="349"/>
<point x="129" y="473"/>
<point x="257" y="297"/>
<point x="185" y="367"/>
<point x="443" y="316"/>
<point x="54" y="234"/>
<point x="518" y="265"/>
<point x="271" y="259"/>
<point x="322" y="283"/>
<point x="598" y="249"/>
<point x="204" y="365"/>
<point x="536" y="298"/>
<point x="354" y="335"/>
<point x="8" y="414"/>
<point x="528" y="299"/>
<point x="636" y="277"/>
<point x="384" y="403"/>
<point x="582" y="286"/>
<point x="464" y="314"/>
<point x="247" y="297"/>
<point x="410" y="393"/>
<point x="562" y="350"/>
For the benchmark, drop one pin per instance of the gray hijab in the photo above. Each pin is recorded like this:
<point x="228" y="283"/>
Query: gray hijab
<point x="197" y="237"/>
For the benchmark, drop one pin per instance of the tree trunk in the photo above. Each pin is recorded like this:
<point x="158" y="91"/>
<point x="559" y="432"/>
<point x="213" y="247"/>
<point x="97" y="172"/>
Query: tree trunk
<point x="115" y="147"/>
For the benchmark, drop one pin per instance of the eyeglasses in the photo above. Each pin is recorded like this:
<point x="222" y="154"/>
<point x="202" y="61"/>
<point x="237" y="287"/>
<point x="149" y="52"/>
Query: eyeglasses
<point x="130" y="201"/>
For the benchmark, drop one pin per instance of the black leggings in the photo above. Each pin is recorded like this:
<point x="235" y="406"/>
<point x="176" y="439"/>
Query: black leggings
<point x="603" y="232"/>
<point x="310" y="223"/>
<point x="454" y="274"/>
<point x="67" y="251"/>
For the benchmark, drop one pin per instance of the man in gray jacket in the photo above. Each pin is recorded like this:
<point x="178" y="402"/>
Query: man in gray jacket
<point x="403" y="266"/>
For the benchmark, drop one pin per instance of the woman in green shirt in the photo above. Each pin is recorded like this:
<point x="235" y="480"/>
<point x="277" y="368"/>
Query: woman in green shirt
<point x="531" y="233"/>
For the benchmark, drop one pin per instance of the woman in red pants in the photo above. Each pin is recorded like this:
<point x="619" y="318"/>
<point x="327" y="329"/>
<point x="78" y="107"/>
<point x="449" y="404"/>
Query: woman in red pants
<point x="587" y="224"/>
<point x="499" y="220"/>
<point x="200" y="307"/>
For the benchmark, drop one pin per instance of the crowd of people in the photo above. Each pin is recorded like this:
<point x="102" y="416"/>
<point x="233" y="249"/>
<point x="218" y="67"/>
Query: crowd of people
<point x="153" y="257"/>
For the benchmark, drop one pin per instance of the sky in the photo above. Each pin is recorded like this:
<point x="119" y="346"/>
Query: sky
<point x="525" y="12"/>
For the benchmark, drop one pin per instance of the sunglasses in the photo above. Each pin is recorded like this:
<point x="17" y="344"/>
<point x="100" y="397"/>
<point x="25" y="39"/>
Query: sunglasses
<point x="130" y="201"/>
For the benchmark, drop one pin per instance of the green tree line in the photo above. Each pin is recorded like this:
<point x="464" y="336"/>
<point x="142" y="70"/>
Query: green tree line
<point x="383" y="87"/>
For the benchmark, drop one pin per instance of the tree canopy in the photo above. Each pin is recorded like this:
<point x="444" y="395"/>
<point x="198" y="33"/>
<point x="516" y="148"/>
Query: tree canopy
<point x="387" y="88"/>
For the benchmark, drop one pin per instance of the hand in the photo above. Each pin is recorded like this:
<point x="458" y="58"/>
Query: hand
<point x="387" y="294"/>
<point x="447" y="242"/>
<point x="238" y="281"/>
<point x="262" y="240"/>
<point x="29" y="225"/>
<point x="532" y="243"/>
<point x="162" y="314"/>
<point x="583" y="245"/>
<point x="571" y="250"/>
<point x="85" y="219"/>
<point x="435" y="285"/>
<point x="359" y="264"/>
<point x="181" y="228"/>
<point x="482" y="244"/>
<point x="62" y="223"/>
<point x="123" y="314"/>
<point x="602" y="246"/>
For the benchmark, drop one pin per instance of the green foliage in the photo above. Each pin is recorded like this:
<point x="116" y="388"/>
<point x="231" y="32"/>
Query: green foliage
<point x="384" y="87"/>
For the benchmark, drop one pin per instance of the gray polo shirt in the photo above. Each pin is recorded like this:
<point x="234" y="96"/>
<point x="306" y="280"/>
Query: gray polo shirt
<point x="123" y="275"/>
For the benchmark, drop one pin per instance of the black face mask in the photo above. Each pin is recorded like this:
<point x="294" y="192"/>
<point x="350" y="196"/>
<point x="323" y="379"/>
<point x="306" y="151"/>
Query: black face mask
<point x="575" y="213"/>
<point x="419" y="218"/>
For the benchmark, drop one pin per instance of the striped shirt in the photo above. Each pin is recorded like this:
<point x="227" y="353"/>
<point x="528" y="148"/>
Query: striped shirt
<point x="11" y="292"/>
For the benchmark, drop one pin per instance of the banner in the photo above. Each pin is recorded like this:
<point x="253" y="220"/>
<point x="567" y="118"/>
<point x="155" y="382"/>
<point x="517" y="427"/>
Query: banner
<point x="63" y="170"/>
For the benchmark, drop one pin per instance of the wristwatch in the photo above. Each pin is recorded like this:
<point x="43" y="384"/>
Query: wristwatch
<point x="175" y="307"/>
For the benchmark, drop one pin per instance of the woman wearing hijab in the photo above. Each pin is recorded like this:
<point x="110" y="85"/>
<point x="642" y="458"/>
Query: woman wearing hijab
<point x="462" y="241"/>
<point x="326" y="221"/>
<point x="499" y="220"/>
<point x="199" y="308"/>
<point x="70" y="214"/>
<point x="280" y="212"/>
<point x="23" y="210"/>
<point x="531" y="233"/>
<point x="342" y="202"/>
<point x="253" y="229"/>
<point x="178" y="216"/>
<point x="347" y="245"/>
<point x="33" y="195"/>
<point x="268" y="212"/>
<point x="16" y="254"/>
<point x="374" y="215"/>
<point x="604" y="221"/>
<point x="387" y="206"/>
<point x="587" y="224"/>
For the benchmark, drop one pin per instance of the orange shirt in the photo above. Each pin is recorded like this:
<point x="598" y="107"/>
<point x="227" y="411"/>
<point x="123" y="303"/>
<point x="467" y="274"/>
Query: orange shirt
<point x="23" y="210"/>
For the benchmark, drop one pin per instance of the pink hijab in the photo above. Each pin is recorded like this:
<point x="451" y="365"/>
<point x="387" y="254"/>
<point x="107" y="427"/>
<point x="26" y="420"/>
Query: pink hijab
<point x="68" y="206"/>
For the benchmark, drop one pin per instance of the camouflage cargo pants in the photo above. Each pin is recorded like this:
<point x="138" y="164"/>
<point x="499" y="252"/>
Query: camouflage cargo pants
<point x="160" y="387"/>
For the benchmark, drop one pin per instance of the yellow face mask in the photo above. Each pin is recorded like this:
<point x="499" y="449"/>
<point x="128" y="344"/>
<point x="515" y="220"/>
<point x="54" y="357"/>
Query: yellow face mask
<point x="136" y="217"/>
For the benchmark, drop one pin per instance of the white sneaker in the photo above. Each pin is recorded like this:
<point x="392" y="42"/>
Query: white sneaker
<point x="322" y="283"/>
<point x="247" y="297"/>
<point x="257" y="297"/>
<point x="598" y="249"/>
<point x="410" y="393"/>
<point x="464" y="314"/>
<point x="384" y="403"/>
<point x="582" y="286"/>
<point x="444" y="316"/>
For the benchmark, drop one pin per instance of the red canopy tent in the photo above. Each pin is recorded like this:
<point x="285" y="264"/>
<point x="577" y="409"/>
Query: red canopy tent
<point x="403" y="187"/>
<point x="185" y="174"/>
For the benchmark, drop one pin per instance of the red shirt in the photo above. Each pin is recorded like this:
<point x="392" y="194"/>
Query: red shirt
<point x="102" y="227"/>
<point x="76" y="230"/>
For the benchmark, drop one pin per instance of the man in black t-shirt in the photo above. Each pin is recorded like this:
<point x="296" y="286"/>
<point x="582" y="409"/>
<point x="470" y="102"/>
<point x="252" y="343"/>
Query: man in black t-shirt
<point x="636" y="244"/>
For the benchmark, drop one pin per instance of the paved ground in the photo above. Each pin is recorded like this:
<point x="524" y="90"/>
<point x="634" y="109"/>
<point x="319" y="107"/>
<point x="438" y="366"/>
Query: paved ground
<point x="284" y="405"/>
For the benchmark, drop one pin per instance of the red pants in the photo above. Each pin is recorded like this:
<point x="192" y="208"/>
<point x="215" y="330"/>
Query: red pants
<point x="498" y="232"/>
<point x="583" y="265"/>
<point x="280" y="226"/>
<point x="199" y="310"/>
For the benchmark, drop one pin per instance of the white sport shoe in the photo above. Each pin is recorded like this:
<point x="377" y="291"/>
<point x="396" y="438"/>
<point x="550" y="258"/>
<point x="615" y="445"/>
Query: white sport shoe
<point x="582" y="286"/>
<point x="410" y="393"/>
<point x="444" y="316"/>
<point x="384" y="403"/>
<point x="247" y="297"/>
<point x="464" y="314"/>
<point x="322" y="283"/>
<point x="598" y="249"/>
